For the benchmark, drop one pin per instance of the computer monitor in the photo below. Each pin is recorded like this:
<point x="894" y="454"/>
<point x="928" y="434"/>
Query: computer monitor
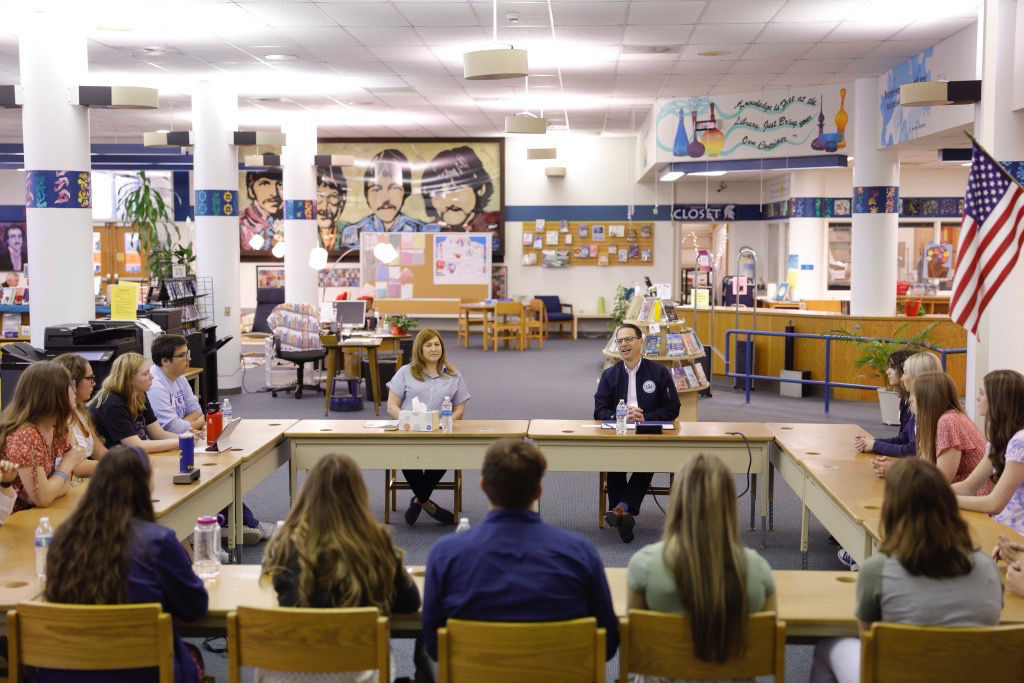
<point x="351" y="313"/>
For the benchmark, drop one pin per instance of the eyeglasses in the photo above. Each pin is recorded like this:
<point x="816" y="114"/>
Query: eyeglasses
<point x="187" y="354"/>
<point x="626" y="340"/>
<point x="90" y="378"/>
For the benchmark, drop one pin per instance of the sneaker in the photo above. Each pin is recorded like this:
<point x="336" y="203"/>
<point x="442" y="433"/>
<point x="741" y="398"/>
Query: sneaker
<point x="251" y="535"/>
<point x="847" y="559"/>
<point x="267" y="530"/>
<point x="626" y="524"/>
<point x="222" y="555"/>
<point x="612" y="517"/>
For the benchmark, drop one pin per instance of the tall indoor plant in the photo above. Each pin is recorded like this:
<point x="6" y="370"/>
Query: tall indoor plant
<point x="142" y="206"/>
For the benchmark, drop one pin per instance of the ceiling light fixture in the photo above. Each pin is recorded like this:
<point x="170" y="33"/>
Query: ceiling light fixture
<point x="541" y="153"/>
<point x="671" y="176"/>
<point x="526" y="123"/>
<point x="494" y="64"/>
<point x="280" y="57"/>
<point x="711" y="174"/>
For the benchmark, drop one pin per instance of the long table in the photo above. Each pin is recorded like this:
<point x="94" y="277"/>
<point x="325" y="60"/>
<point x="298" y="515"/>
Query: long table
<point x="582" y="445"/>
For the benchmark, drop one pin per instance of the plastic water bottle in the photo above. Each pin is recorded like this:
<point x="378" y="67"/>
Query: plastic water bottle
<point x="205" y="559"/>
<point x="446" y="415"/>
<point x="463" y="524"/>
<point x="620" y="417"/>
<point x="44" y="534"/>
<point x="226" y="410"/>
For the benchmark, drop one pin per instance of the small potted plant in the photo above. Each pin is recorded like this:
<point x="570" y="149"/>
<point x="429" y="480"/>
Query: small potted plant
<point x="401" y="324"/>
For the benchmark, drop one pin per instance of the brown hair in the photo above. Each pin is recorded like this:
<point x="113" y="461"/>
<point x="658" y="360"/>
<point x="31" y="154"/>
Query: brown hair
<point x="921" y="525"/>
<point x="511" y="473"/>
<point x="41" y="393"/>
<point x="419" y="360"/>
<point x="1005" y="392"/>
<point x="89" y="557"/>
<point x="935" y="395"/>
<point x="331" y="543"/>
<point x="895" y="361"/>
<point x="121" y="381"/>
<point x="77" y="367"/>
<point x="703" y="550"/>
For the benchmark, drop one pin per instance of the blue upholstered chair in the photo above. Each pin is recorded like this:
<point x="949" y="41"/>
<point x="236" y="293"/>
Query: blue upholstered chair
<point x="558" y="314"/>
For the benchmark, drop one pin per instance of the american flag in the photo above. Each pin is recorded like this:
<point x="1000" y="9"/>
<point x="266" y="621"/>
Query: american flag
<point x="991" y="237"/>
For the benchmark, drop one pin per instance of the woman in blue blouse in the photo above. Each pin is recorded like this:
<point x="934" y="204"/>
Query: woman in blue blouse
<point x="430" y="377"/>
<point x="110" y="551"/>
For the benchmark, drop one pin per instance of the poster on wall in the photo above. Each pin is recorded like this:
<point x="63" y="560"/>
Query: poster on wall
<point x="132" y="257"/>
<point x="461" y="260"/>
<point x="13" y="246"/>
<point x="429" y="186"/>
<point x="754" y="125"/>
<point x="937" y="260"/>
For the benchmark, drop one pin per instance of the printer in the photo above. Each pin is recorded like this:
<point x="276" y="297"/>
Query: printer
<point x="146" y="331"/>
<point x="98" y="344"/>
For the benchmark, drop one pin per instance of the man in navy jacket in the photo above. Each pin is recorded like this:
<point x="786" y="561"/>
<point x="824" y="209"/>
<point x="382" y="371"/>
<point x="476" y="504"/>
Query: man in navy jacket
<point x="650" y="394"/>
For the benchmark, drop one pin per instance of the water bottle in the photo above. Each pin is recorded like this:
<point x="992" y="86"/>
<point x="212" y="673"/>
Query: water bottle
<point x="44" y="534"/>
<point x="620" y="417"/>
<point x="463" y="524"/>
<point x="225" y="410"/>
<point x="206" y="537"/>
<point x="446" y="415"/>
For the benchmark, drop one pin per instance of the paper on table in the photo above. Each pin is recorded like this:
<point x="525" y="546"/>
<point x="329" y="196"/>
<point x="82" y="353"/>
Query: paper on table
<point x="632" y="425"/>
<point x="380" y="424"/>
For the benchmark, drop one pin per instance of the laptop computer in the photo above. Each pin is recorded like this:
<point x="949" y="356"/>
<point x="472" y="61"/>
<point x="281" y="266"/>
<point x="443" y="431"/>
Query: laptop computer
<point x="223" y="441"/>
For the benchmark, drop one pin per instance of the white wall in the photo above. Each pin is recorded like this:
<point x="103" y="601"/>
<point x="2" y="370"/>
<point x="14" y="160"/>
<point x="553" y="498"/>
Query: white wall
<point x="12" y="187"/>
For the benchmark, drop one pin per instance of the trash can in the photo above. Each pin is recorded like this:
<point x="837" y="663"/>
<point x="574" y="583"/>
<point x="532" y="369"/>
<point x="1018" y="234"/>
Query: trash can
<point x="14" y="358"/>
<point x="386" y="368"/>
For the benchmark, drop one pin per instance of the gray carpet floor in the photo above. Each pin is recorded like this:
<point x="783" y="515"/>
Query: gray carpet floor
<point x="559" y="382"/>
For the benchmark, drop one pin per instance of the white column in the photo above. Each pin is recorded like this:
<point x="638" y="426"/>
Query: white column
<point x="1000" y="130"/>
<point x="876" y="218"/>
<point x="215" y="184"/>
<point x="300" y="281"/>
<point x="808" y="236"/>
<point x="58" y="202"/>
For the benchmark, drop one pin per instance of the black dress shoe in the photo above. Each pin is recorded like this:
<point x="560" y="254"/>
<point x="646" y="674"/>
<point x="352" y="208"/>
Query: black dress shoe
<point x="440" y="514"/>
<point x="611" y="519"/>
<point x="413" y="512"/>
<point x="626" y="524"/>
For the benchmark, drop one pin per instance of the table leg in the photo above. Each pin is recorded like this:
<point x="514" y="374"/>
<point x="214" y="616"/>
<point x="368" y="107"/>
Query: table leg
<point x="805" y="522"/>
<point x="753" y="499"/>
<point x="235" y="523"/>
<point x="371" y="355"/>
<point x="332" y="370"/>
<point x="771" y="496"/>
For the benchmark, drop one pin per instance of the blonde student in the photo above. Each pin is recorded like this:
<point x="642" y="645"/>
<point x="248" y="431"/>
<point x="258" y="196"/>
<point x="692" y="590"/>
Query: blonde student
<point x="1001" y="401"/>
<point x="121" y="410"/>
<point x="911" y="367"/>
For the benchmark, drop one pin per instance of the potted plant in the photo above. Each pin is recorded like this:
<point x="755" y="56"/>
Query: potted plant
<point x="142" y="206"/>
<point x="621" y="306"/>
<point x="874" y="363"/>
<point x="401" y="324"/>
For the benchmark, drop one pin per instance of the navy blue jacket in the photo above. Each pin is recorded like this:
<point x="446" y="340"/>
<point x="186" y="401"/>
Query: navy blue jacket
<point x="906" y="443"/>
<point x="661" y="404"/>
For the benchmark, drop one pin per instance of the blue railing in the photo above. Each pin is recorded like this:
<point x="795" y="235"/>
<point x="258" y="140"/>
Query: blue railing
<point x="748" y="342"/>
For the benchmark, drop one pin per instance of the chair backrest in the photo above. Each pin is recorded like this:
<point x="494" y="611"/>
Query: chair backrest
<point x="297" y="326"/>
<point x="901" y="652"/>
<point x="266" y="299"/>
<point x="551" y="302"/>
<point x="90" y="638"/>
<point x="508" y="308"/>
<point x="497" y="652"/>
<point x="661" y="644"/>
<point x="538" y="311"/>
<point x="308" y="640"/>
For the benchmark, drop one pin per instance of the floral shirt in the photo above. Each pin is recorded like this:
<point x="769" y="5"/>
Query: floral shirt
<point x="26" y="447"/>
<point x="955" y="430"/>
<point x="1013" y="513"/>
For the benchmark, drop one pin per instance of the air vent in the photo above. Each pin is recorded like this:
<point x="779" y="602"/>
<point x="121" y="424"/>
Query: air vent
<point x="651" y="49"/>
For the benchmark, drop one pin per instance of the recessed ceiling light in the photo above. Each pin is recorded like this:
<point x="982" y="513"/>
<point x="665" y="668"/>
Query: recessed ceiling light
<point x="713" y="174"/>
<point x="280" y="57"/>
<point x="670" y="176"/>
<point x="712" y="53"/>
<point x="154" y="50"/>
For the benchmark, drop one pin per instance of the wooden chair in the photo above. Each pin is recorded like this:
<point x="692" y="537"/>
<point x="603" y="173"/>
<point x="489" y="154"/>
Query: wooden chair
<point x="535" y="319"/>
<point x="505" y="324"/>
<point x="90" y="638"/>
<point x="900" y="652"/>
<point x="602" y="494"/>
<point x="298" y="639"/>
<point x="500" y="652"/>
<point x="392" y="484"/>
<point x="661" y="644"/>
<point x="466" y="324"/>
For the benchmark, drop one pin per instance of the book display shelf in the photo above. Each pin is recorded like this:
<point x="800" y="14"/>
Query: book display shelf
<point x="670" y="341"/>
<point x="194" y="296"/>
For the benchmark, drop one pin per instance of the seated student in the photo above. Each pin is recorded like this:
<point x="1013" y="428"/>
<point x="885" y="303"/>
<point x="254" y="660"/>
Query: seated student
<point x="512" y="566"/>
<point x="34" y="436"/>
<point x="110" y="551"/>
<point x="650" y="394"/>
<point x="430" y="377"/>
<point x="176" y="408"/>
<point x="700" y="567"/>
<point x="945" y="435"/>
<point x="331" y="552"/>
<point x="121" y="410"/>
<point x="83" y="431"/>
<point x="945" y="581"/>
<point x="1001" y="401"/>
<point x="901" y="445"/>
<point x="8" y="473"/>
<point x="917" y="364"/>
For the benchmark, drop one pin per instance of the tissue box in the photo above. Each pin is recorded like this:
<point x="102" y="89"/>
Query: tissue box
<point x="419" y="421"/>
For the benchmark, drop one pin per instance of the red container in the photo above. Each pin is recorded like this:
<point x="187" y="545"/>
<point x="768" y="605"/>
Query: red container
<point x="902" y="288"/>
<point x="214" y="423"/>
<point x="912" y="308"/>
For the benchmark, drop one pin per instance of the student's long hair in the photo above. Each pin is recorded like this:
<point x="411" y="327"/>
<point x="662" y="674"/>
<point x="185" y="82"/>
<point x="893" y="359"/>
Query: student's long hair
<point x="935" y="394"/>
<point x="419" y="359"/>
<point x="921" y="524"/>
<point x="704" y="552"/>
<point x="332" y="542"/>
<point x="920" y="363"/>
<point x="121" y="380"/>
<point x="1005" y="392"/>
<point x="89" y="557"/>
<point x="895" y="361"/>
<point x="77" y="367"/>
<point x="41" y="393"/>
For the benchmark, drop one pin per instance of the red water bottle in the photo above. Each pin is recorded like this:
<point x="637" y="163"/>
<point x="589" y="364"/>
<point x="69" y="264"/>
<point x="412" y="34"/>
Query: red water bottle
<point x="214" y="422"/>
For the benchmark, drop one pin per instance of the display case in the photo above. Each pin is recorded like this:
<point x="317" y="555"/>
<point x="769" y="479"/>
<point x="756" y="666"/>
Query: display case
<point x="193" y="295"/>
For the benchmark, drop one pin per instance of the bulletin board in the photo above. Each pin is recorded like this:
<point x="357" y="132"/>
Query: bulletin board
<point x="558" y="244"/>
<point x="421" y="273"/>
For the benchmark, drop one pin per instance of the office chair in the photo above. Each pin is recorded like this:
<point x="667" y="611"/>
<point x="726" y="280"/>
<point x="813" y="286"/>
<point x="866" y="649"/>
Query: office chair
<point x="296" y="329"/>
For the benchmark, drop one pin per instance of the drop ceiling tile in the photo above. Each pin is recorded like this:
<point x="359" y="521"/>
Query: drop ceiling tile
<point x="935" y="30"/>
<point x="587" y="14"/>
<point x="343" y="54"/>
<point x="794" y="79"/>
<point x="820" y="10"/>
<point x="443" y="36"/>
<point x="862" y="31"/>
<point x="760" y="66"/>
<point x="875" y="65"/>
<point x="400" y="36"/>
<point x="665" y="12"/>
<point x="404" y="53"/>
<point x="315" y="36"/>
<point x="425" y="82"/>
<point x="657" y="34"/>
<point x="725" y="33"/>
<point x="795" y="32"/>
<point x="776" y="50"/>
<point x="691" y="80"/>
<point x="380" y="14"/>
<point x="644" y="80"/>
<point x="843" y="50"/>
<point x="291" y="14"/>
<point x="900" y="48"/>
<point x="810" y="66"/>
<point x="419" y="68"/>
<point x="662" y="67"/>
<point x="753" y="80"/>
<point x="740" y="11"/>
<point x="597" y="35"/>
<point x="448" y="14"/>
<point x="732" y="52"/>
<point x="700" y="65"/>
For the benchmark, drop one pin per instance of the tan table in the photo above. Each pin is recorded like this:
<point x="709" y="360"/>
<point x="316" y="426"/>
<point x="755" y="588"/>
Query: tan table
<point x="475" y="312"/>
<point x="192" y="376"/>
<point x="583" y="446"/>
<point x="377" y="449"/>
<point x="335" y="351"/>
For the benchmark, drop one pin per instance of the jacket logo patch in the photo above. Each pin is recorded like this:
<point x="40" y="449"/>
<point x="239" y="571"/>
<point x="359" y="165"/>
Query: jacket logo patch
<point x="649" y="386"/>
